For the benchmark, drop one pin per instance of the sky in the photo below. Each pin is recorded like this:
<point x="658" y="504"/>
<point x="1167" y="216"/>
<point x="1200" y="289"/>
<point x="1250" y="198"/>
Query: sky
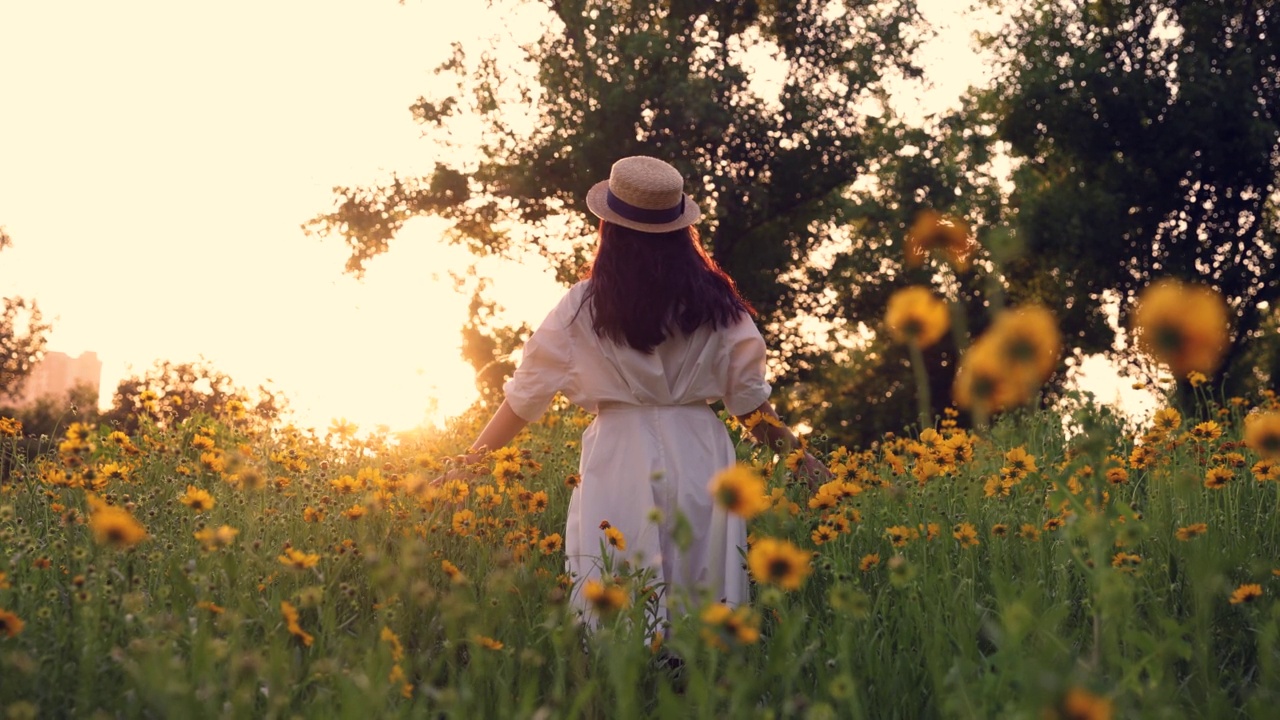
<point x="158" y="161"/>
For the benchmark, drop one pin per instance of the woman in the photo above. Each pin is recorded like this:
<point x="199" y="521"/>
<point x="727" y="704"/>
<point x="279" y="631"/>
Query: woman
<point x="655" y="334"/>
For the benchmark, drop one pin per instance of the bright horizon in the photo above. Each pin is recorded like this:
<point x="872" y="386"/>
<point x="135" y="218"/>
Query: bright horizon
<point x="157" y="163"/>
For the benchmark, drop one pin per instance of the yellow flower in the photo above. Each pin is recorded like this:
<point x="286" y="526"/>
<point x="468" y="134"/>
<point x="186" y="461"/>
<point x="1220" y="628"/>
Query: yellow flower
<point x="1020" y="461"/>
<point x="1208" y="430"/>
<point x="778" y="562"/>
<point x="823" y="534"/>
<point x="455" y="575"/>
<point x="615" y="538"/>
<point x="551" y="544"/>
<point x="1166" y="420"/>
<point x="10" y="624"/>
<point x="291" y="621"/>
<point x="1218" y="477"/>
<point x="999" y="530"/>
<point x="462" y="521"/>
<point x="1117" y="475"/>
<point x="740" y="490"/>
<point x="213" y="539"/>
<point x="916" y="315"/>
<point x="488" y="642"/>
<point x="1183" y="325"/>
<point x="868" y="562"/>
<point x="1196" y="378"/>
<point x="114" y="471"/>
<point x="355" y="512"/>
<point x="1267" y="469"/>
<point x="605" y="599"/>
<point x="966" y="533"/>
<point x="1246" y="593"/>
<point x="1028" y="342"/>
<point x="933" y="232"/>
<point x="1078" y="704"/>
<point x="722" y="624"/>
<point x="10" y="427"/>
<point x="1262" y="433"/>
<point x="197" y="499"/>
<point x="536" y="502"/>
<point x="1126" y="562"/>
<point x="984" y="379"/>
<point x="1186" y="533"/>
<point x="389" y="637"/>
<point x="900" y="535"/>
<point x="112" y="525"/>
<point x="298" y="560"/>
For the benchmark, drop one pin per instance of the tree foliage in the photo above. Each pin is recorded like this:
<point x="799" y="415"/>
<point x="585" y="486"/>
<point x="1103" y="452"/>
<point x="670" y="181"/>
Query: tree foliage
<point x="1148" y="140"/>
<point x="670" y="78"/>
<point x="170" y="392"/>
<point x="23" y="336"/>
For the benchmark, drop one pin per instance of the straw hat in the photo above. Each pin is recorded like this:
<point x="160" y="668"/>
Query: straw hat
<point x="645" y="194"/>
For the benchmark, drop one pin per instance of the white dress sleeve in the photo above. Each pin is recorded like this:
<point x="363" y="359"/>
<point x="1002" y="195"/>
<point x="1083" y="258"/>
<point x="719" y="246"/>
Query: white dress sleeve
<point x="546" y="363"/>
<point x="746" y="387"/>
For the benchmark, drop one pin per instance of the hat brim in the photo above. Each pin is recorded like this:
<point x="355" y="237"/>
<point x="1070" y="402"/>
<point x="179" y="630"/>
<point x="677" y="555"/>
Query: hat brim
<point x="599" y="206"/>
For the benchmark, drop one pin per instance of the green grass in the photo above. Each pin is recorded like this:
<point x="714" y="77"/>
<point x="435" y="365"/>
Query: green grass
<point x="1017" y="626"/>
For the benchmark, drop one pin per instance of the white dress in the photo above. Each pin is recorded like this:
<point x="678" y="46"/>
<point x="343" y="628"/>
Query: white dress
<point x="655" y="444"/>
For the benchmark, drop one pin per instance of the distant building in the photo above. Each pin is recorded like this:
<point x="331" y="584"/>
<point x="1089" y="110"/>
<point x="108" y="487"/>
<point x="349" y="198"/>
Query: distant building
<point x="58" y="374"/>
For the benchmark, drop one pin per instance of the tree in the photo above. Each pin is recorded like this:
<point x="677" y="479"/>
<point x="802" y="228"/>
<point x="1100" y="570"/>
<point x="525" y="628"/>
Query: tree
<point x="868" y="388"/>
<point x="23" y="335"/>
<point x="51" y="415"/>
<point x="1148" y="140"/>
<point x="671" y="78"/>
<point x="171" y="392"/>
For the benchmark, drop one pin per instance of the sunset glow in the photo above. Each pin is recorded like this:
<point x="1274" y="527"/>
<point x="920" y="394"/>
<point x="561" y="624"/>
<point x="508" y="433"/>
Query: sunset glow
<point x="157" y="164"/>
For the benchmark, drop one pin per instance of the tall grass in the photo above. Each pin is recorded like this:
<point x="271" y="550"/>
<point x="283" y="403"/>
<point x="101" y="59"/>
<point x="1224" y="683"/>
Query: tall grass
<point x="1062" y="591"/>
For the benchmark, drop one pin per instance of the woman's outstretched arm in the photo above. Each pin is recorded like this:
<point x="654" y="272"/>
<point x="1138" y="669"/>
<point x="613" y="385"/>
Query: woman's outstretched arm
<point x="769" y="430"/>
<point x="500" y="430"/>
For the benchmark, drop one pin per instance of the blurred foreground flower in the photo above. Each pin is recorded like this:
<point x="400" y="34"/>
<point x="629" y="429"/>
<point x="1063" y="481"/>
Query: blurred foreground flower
<point x="291" y="621"/>
<point x="740" y="490"/>
<point x="1078" y="704"/>
<point x="916" y="315"/>
<point x="1029" y="341"/>
<point x="778" y="562"/>
<point x="605" y="599"/>
<point x="983" y="381"/>
<point x="10" y="624"/>
<point x="722" y="625"/>
<point x="214" y="539"/>
<point x="298" y="560"/>
<point x="112" y="525"/>
<point x="1246" y="593"/>
<point x="1006" y="365"/>
<point x="1183" y="325"/>
<point x="1262" y="433"/>
<point x="936" y="233"/>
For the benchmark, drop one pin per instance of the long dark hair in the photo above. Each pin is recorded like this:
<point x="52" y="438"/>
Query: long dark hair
<point x="646" y="286"/>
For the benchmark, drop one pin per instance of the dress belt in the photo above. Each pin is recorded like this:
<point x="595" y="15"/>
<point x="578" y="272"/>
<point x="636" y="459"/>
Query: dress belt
<point x="611" y="405"/>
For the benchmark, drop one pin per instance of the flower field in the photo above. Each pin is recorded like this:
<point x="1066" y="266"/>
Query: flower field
<point x="1032" y="569"/>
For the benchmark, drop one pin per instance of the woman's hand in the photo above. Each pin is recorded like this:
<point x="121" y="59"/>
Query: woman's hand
<point x="812" y="471"/>
<point x="463" y="469"/>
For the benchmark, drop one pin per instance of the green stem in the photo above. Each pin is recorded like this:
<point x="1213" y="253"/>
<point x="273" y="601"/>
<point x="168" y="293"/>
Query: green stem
<point x="923" y="398"/>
